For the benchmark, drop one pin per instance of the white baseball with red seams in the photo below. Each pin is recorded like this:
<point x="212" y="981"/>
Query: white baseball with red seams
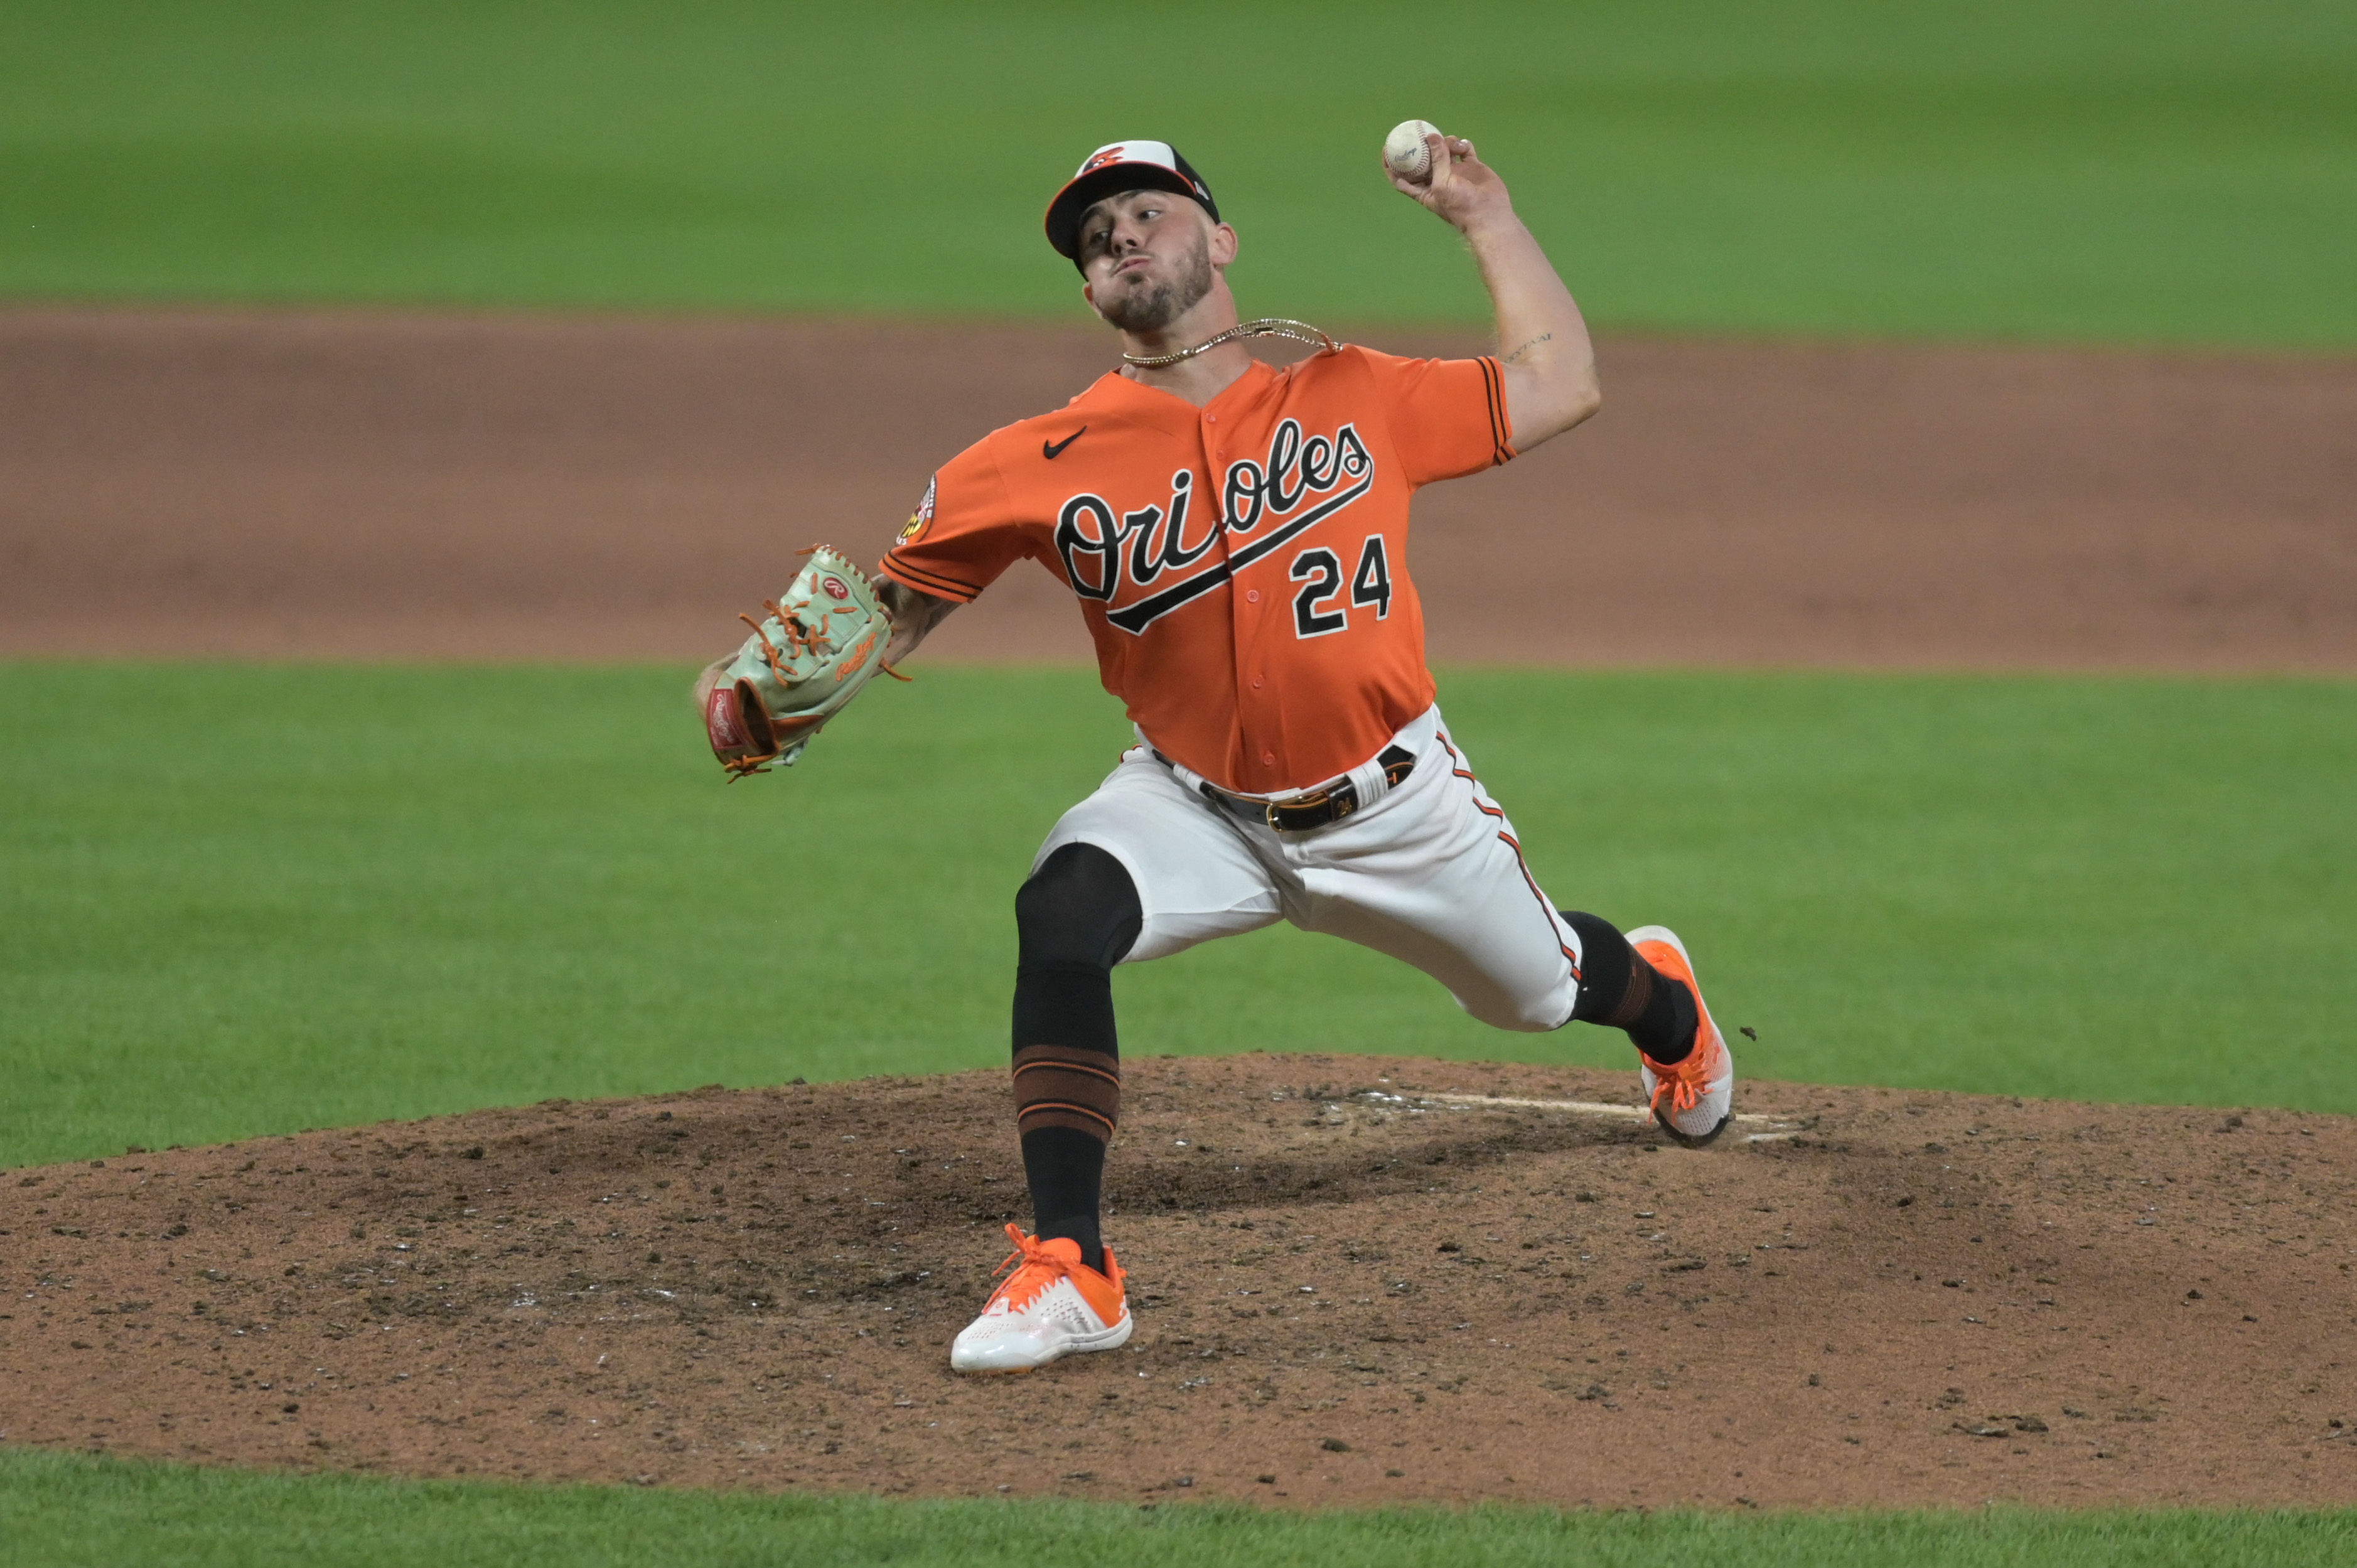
<point x="1406" y="153"/>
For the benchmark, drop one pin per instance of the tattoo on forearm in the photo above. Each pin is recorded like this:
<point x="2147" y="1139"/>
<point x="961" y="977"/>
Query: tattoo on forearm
<point x="1542" y="337"/>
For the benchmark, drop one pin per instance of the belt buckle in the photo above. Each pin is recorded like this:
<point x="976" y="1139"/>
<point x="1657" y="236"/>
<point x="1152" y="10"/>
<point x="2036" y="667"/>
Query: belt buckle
<point x="1343" y="807"/>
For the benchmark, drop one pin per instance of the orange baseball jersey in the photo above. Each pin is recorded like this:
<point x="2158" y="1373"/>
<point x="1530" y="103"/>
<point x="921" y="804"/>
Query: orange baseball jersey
<point x="1243" y="567"/>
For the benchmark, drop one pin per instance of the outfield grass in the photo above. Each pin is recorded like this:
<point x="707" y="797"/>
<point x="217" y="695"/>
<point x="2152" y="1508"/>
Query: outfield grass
<point x="61" y="1509"/>
<point x="2180" y="170"/>
<point x="242" y="899"/>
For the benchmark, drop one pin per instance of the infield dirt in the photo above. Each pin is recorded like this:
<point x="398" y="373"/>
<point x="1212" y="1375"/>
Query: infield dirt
<point x="294" y="484"/>
<point x="1343" y="1297"/>
<point x="1347" y="1292"/>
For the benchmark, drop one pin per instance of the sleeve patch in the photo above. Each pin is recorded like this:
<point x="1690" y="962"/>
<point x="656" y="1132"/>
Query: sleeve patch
<point x="922" y="518"/>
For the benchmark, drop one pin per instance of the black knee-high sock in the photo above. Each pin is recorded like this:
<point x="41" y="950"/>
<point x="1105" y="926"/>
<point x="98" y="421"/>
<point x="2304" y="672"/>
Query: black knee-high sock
<point x="1621" y="991"/>
<point x="1066" y="1169"/>
<point x="1067" y="1096"/>
<point x="1076" y="917"/>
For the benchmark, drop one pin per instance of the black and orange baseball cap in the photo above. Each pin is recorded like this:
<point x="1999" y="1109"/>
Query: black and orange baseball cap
<point x="1118" y="167"/>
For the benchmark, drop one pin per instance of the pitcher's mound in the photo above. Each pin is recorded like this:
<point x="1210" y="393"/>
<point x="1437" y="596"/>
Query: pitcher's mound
<point x="1355" y="1281"/>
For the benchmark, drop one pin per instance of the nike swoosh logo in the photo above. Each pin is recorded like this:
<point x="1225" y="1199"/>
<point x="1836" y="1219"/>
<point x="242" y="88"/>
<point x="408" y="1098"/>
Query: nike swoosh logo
<point x="1057" y="450"/>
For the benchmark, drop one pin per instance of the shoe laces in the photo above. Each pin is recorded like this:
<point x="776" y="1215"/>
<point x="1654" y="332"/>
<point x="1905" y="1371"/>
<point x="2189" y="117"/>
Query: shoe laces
<point x="1684" y="1082"/>
<point x="1036" y="1270"/>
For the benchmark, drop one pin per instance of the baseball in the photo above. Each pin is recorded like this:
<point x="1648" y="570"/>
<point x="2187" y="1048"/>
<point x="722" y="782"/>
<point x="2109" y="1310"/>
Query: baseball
<point x="1405" y="153"/>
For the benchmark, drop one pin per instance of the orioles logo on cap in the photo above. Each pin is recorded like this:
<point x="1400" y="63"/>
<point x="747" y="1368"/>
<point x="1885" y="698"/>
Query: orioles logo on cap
<point x="922" y="517"/>
<point x="1098" y="160"/>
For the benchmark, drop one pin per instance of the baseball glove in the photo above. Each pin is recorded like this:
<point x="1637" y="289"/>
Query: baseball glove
<point x="823" y="639"/>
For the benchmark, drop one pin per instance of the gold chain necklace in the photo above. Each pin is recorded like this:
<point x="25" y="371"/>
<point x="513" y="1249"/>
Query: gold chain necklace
<point x="1266" y="327"/>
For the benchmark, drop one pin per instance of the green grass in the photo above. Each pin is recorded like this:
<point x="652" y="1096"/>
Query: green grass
<point x="240" y="900"/>
<point x="63" y="1508"/>
<point x="2180" y="170"/>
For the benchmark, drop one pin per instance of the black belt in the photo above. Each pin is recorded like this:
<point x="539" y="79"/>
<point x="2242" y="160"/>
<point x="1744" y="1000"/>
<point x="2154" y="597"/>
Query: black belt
<point x="1318" y="809"/>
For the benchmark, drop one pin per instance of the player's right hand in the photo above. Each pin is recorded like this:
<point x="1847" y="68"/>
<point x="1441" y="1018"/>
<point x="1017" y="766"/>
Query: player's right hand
<point x="1459" y="187"/>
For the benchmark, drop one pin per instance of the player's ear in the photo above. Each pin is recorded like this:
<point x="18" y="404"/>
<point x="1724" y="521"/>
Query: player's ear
<point x="1223" y="244"/>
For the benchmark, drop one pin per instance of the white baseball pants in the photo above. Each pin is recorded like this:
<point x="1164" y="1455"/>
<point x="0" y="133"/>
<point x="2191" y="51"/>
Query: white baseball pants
<point x="1430" y="873"/>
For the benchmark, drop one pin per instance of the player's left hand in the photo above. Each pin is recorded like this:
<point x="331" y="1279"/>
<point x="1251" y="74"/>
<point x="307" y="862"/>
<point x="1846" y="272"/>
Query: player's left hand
<point x="823" y="639"/>
<point x="1460" y="187"/>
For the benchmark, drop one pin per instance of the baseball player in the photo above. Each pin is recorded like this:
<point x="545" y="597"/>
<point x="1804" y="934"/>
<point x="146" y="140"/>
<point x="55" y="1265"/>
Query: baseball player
<point x="1236" y="535"/>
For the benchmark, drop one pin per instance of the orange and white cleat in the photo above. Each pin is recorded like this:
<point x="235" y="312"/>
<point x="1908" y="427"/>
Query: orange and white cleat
<point x="1052" y="1306"/>
<point x="1693" y="1099"/>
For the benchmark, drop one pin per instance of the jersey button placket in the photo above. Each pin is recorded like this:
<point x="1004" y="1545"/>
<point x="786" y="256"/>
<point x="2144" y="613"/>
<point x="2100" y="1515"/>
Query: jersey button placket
<point x="1252" y="705"/>
<point x="1245" y="625"/>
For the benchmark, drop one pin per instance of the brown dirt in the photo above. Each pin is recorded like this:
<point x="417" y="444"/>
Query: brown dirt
<point x="1921" y="1299"/>
<point x="758" y="1288"/>
<point x="383" y="486"/>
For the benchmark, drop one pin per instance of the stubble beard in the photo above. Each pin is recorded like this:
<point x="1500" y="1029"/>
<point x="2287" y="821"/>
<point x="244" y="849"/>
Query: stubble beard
<point x="1152" y="309"/>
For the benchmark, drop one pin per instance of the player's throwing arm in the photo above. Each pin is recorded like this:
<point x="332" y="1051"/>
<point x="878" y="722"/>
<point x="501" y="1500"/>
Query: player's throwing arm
<point x="1550" y="366"/>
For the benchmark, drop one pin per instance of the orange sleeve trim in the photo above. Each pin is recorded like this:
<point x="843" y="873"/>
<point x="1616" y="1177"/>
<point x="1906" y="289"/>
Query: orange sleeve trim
<point x="1493" y="388"/>
<point x="925" y="582"/>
